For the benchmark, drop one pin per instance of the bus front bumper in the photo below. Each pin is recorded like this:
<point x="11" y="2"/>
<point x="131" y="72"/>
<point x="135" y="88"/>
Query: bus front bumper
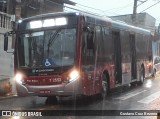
<point x="64" y="89"/>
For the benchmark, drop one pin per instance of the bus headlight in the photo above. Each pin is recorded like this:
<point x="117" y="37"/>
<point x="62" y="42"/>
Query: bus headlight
<point x="19" y="78"/>
<point x="74" y="75"/>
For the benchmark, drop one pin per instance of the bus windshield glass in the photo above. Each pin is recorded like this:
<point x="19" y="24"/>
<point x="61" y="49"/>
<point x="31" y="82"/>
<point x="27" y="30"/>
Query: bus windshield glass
<point x="51" y="48"/>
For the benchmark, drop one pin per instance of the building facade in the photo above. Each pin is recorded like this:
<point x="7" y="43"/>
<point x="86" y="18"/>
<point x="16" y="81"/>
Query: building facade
<point x="28" y="8"/>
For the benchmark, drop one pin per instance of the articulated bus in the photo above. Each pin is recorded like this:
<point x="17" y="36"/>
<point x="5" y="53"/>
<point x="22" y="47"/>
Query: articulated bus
<point x="65" y="54"/>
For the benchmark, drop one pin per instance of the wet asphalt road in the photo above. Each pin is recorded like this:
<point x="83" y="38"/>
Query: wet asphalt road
<point x="145" y="97"/>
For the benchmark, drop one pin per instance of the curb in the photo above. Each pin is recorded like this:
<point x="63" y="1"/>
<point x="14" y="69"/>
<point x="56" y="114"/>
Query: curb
<point x="9" y="96"/>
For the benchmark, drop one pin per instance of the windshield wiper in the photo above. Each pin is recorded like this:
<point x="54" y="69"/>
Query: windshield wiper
<point x="52" y="39"/>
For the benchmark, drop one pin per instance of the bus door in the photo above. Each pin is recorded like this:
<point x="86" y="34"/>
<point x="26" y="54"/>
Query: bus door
<point x="133" y="57"/>
<point x="88" y="60"/>
<point x="117" y="57"/>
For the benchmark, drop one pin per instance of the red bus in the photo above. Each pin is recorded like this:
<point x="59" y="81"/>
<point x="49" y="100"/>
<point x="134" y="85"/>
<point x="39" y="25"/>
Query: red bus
<point x="64" y="54"/>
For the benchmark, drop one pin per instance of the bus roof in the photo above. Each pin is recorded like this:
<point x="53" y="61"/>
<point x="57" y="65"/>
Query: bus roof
<point x="101" y="20"/>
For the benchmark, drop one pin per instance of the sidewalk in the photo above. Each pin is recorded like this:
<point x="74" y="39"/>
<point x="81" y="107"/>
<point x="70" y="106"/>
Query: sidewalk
<point x="8" y="96"/>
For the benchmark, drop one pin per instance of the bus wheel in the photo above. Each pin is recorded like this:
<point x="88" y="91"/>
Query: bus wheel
<point x="51" y="100"/>
<point x="104" y="87"/>
<point x="141" y="79"/>
<point x="142" y="75"/>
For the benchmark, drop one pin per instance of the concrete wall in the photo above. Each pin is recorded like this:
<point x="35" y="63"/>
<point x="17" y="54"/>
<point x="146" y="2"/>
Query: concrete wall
<point x="6" y="59"/>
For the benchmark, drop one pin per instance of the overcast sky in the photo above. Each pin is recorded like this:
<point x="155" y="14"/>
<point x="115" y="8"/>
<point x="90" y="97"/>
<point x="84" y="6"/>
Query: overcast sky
<point x="119" y="7"/>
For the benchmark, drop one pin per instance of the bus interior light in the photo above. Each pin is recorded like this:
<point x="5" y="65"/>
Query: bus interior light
<point x="49" y="22"/>
<point x="61" y="21"/>
<point x="35" y="24"/>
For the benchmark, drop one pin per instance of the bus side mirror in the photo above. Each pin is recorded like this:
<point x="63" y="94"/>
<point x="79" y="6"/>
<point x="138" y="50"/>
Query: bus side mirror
<point x="87" y="29"/>
<point x="6" y="42"/>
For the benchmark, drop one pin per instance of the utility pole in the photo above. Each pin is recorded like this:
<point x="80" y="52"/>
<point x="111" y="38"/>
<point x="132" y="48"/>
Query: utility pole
<point x="134" y="12"/>
<point x="18" y="9"/>
<point x="14" y="8"/>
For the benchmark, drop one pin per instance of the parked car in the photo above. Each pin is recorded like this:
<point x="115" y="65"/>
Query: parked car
<point x="156" y="65"/>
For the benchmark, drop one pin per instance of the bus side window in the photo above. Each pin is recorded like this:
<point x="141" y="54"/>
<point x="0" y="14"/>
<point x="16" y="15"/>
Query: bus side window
<point x="90" y="43"/>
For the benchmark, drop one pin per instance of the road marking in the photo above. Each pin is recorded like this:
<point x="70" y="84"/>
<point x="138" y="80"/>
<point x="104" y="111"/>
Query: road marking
<point x="150" y="98"/>
<point x="129" y="95"/>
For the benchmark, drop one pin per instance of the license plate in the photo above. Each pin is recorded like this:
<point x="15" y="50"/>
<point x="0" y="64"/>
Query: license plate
<point x="45" y="91"/>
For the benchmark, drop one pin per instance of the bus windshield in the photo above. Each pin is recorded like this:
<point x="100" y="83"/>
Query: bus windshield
<point x="51" y="48"/>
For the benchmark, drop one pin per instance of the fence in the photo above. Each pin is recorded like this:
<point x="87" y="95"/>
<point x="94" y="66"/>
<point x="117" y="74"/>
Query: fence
<point x="5" y="20"/>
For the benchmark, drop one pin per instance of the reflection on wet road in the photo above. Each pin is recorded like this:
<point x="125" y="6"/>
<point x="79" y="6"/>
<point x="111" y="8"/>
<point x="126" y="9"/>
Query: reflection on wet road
<point x="135" y="98"/>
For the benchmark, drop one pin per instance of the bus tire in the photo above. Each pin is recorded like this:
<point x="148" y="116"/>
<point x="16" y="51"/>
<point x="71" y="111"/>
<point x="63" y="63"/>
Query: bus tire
<point x="141" y="79"/>
<point x="105" y="87"/>
<point x="142" y="76"/>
